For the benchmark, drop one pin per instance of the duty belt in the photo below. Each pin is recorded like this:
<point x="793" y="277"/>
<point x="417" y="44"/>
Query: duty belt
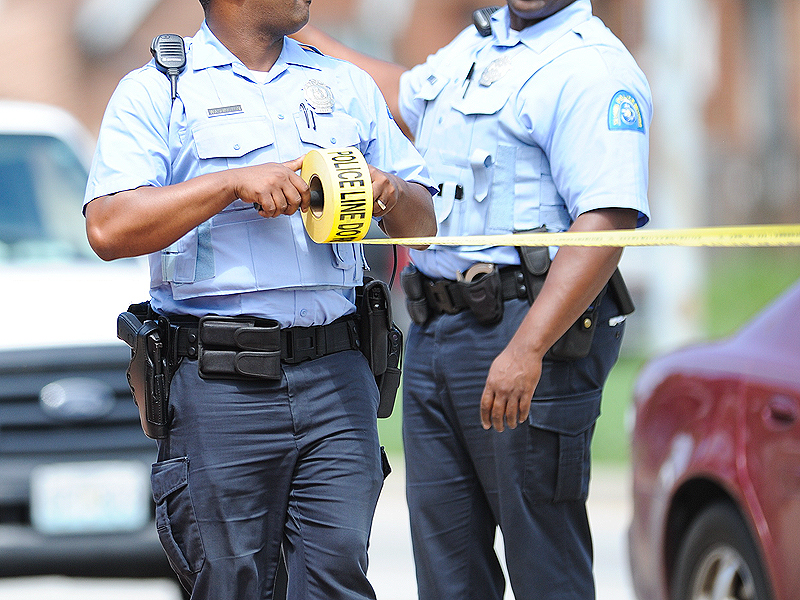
<point x="446" y="296"/>
<point x="250" y="347"/>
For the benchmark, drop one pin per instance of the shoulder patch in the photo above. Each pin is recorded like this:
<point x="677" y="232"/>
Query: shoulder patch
<point x="624" y="113"/>
<point x="310" y="48"/>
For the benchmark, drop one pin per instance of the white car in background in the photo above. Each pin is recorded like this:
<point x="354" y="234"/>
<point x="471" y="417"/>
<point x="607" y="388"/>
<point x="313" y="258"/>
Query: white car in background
<point x="74" y="463"/>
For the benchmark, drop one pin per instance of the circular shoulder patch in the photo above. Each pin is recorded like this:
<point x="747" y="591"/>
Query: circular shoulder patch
<point x="624" y="113"/>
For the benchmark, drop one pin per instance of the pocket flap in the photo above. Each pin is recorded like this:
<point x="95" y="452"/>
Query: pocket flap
<point x="232" y="139"/>
<point x="482" y="100"/>
<point x="327" y="130"/>
<point x="432" y="87"/>
<point x="168" y="476"/>
<point x="568" y="416"/>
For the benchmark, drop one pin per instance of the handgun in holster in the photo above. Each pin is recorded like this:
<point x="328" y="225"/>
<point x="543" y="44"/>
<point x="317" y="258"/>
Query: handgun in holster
<point x="381" y="341"/>
<point x="148" y="372"/>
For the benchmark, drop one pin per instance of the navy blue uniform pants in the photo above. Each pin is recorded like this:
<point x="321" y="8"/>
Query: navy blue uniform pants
<point x="250" y="465"/>
<point x="463" y="482"/>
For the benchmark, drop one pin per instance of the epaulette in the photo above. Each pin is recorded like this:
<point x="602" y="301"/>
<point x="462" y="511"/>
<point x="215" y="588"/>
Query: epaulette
<point x="310" y="48"/>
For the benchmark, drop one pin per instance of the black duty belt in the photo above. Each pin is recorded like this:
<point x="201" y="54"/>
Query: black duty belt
<point x="253" y="347"/>
<point x="446" y="296"/>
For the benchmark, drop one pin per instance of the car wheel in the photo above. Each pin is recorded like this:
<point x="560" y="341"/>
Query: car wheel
<point x="718" y="560"/>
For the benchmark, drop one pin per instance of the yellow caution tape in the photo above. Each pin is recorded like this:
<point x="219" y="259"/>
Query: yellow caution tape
<point x="341" y="211"/>
<point x="743" y="236"/>
<point x="341" y="206"/>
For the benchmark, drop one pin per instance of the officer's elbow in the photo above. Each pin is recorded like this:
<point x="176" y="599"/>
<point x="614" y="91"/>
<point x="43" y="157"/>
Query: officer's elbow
<point x="429" y="230"/>
<point x="101" y="244"/>
<point x="101" y="239"/>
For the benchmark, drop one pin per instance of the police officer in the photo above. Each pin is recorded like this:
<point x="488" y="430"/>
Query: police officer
<point x="541" y="120"/>
<point x="252" y="464"/>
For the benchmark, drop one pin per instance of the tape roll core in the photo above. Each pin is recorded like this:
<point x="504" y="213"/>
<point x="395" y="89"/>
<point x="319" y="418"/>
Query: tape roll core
<point x="341" y="204"/>
<point x="317" y="196"/>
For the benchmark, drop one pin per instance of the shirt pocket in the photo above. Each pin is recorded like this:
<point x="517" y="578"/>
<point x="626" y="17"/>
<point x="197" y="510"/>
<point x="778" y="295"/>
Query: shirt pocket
<point x="232" y="143"/>
<point x="327" y="130"/>
<point x="431" y="89"/>
<point x="482" y="100"/>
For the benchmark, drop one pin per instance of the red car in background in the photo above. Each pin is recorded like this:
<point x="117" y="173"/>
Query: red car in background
<point x="716" y="466"/>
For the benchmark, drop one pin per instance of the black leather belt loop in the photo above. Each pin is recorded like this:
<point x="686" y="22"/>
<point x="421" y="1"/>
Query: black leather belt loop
<point x="445" y="296"/>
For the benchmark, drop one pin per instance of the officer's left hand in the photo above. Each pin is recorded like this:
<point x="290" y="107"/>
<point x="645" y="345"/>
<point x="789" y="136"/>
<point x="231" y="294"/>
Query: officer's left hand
<point x="385" y="191"/>
<point x="512" y="379"/>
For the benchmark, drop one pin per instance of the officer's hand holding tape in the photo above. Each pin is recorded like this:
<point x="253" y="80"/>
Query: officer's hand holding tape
<point x="335" y="184"/>
<point x="274" y="188"/>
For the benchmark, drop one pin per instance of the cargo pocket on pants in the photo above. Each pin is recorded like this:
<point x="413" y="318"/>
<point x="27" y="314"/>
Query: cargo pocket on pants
<point x="557" y="460"/>
<point x="175" y="518"/>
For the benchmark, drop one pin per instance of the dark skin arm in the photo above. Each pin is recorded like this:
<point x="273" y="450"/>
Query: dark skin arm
<point x="576" y="276"/>
<point x="409" y="208"/>
<point x="148" y="219"/>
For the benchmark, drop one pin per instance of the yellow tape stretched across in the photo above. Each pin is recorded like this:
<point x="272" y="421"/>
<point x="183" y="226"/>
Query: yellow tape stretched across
<point x="744" y="236"/>
<point x="342" y="212"/>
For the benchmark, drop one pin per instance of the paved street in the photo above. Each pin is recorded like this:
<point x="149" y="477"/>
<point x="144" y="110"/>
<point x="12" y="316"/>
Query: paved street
<point x="391" y="566"/>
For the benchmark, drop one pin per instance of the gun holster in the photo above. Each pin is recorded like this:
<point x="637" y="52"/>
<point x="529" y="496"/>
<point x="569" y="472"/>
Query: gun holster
<point x="577" y="340"/>
<point x="381" y="340"/>
<point x="412" y="282"/>
<point x="148" y="372"/>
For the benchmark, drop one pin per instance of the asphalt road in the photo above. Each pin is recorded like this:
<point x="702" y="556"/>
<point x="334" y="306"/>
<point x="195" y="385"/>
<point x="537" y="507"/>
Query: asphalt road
<point x="391" y="566"/>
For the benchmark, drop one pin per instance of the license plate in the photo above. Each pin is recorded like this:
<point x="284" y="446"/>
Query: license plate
<point x="90" y="497"/>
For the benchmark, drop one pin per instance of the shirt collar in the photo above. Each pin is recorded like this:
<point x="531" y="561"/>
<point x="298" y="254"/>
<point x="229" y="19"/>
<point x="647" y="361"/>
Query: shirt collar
<point x="209" y="52"/>
<point x="539" y="36"/>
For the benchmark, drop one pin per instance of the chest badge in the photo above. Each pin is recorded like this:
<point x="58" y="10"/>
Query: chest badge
<point x="497" y="69"/>
<point x="319" y="96"/>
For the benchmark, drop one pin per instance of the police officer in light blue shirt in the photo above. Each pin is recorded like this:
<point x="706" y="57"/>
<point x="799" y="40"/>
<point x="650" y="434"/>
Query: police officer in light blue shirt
<point x="250" y="465"/>
<point x="540" y="121"/>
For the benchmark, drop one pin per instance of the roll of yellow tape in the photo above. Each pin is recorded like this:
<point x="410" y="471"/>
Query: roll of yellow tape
<point x="341" y="188"/>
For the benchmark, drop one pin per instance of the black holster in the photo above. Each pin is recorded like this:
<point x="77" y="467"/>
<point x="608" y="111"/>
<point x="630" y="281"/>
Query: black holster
<point x="148" y="372"/>
<point x="381" y="340"/>
<point x="577" y="340"/>
<point x="412" y="282"/>
<point x="481" y="292"/>
<point x="484" y="295"/>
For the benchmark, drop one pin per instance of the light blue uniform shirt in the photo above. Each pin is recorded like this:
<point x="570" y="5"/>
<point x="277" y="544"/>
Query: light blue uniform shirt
<point x="225" y="117"/>
<point x="553" y="122"/>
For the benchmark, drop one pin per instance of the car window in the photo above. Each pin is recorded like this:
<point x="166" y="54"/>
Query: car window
<point x="41" y="192"/>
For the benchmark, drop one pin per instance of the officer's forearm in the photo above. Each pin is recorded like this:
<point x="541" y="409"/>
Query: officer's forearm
<point x="576" y="277"/>
<point x="148" y="219"/>
<point x="385" y="74"/>
<point x="412" y="215"/>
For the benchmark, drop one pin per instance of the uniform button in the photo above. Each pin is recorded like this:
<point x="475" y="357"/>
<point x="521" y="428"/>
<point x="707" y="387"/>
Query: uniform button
<point x="280" y="117"/>
<point x="333" y="140"/>
<point x="236" y="146"/>
<point x="303" y="312"/>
